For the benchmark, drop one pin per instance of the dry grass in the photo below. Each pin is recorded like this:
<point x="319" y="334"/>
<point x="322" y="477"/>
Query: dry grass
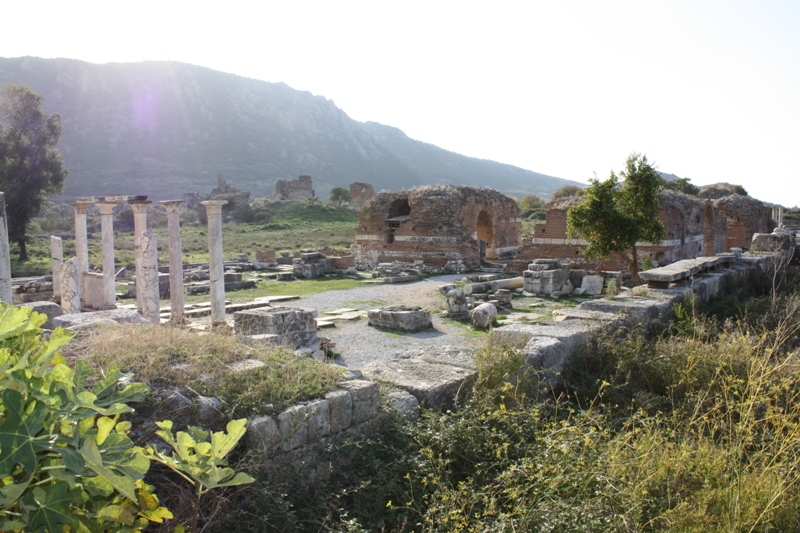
<point x="165" y="358"/>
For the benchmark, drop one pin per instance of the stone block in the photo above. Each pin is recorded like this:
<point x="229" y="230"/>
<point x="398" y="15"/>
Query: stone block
<point x="404" y="403"/>
<point x="263" y="433"/>
<point x="295" y="326"/>
<point x="209" y="411"/>
<point x="484" y="315"/>
<point x="592" y="285"/>
<point x="267" y="256"/>
<point x="231" y="277"/>
<point x="293" y="427"/>
<point x="366" y="399"/>
<point x="434" y="385"/>
<point x="319" y="419"/>
<point x="340" y="409"/>
<point x="401" y="317"/>
<point x="120" y="316"/>
<point x="49" y="309"/>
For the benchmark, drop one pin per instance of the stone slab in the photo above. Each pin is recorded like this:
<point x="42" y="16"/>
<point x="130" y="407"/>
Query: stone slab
<point x="120" y="316"/>
<point x="434" y="385"/>
<point x="50" y="309"/>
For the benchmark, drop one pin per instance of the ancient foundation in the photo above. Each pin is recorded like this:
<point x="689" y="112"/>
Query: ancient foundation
<point x="289" y="326"/>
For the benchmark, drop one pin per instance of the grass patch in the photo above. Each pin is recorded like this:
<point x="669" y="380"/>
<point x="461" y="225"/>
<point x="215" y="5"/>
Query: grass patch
<point x="164" y="358"/>
<point x="300" y="287"/>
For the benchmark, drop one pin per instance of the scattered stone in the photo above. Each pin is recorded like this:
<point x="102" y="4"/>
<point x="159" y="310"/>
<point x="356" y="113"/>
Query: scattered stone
<point x="209" y="411"/>
<point x="246" y="364"/>
<point x="50" y="309"/>
<point x="120" y="316"/>
<point x="484" y="315"/>
<point x="592" y="285"/>
<point x="178" y="402"/>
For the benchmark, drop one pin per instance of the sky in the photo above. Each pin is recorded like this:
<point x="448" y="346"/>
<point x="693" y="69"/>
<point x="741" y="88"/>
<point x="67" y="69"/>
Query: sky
<point x="708" y="90"/>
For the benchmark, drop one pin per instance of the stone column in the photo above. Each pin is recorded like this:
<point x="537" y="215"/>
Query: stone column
<point x="216" y="268"/>
<point x="139" y="207"/>
<point x="81" y="239"/>
<point x="70" y="297"/>
<point x="56" y="258"/>
<point x="175" y="260"/>
<point x="149" y="278"/>
<point x="5" y="254"/>
<point x="107" y="206"/>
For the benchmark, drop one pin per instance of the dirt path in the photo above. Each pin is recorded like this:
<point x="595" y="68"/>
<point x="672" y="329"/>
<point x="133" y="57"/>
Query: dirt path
<point x="360" y="343"/>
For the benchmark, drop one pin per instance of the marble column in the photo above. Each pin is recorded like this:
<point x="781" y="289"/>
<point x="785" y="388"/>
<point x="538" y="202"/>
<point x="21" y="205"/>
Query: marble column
<point x="70" y="297"/>
<point x="81" y="239"/>
<point x="139" y="207"/>
<point x="107" y="206"/>
<point x="5" y="254"/>
<point x="149" y="278"/>
<point x="56" y="258"/>
<point x="216" y="268"/>
<point x="175" y="260"/>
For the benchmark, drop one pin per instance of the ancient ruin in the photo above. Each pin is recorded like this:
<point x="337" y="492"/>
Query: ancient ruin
<point x="693" y="226"/>
<point x="236" y="199"/>
<point x="300" y="189"/>
<point x="360" y="194"/>
<point x="437" y="225"/>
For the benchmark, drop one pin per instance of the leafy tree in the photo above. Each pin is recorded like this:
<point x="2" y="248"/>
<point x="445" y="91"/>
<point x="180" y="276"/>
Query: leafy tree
<point x="614" y="216"/>
<point x="31" y="167"/>
<point x="683" y="185"/>
<point x="340" y="195"/>
<point x="532" y="206"/>
<point x="566" y="191"/>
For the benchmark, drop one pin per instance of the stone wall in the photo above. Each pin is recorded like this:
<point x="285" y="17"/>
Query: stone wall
<point x="439" y="224"/>
<point x="360" y="194"/>
<point x="693" y="227"/>
<point x="299" y="189"/>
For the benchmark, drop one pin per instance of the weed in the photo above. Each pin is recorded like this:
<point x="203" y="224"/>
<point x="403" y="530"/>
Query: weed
<point x="611" y="290"/>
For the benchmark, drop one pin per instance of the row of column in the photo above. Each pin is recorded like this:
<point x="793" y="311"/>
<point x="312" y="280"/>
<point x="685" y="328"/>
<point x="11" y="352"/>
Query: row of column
<point x="68" y="276"/>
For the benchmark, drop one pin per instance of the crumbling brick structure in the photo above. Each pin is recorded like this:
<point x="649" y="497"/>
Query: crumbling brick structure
<point x="299" y="189"/>
<point x="439" y="224"/>
<point x="693" y="227"/>
<point x="360" y="194"/>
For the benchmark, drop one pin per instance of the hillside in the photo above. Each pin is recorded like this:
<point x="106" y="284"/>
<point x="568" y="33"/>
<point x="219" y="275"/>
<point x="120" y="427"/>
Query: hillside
<point x="166" y="128"/>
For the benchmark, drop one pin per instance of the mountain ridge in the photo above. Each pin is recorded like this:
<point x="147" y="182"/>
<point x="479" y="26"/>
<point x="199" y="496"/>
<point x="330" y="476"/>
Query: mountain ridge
<point x="164" y="128"/>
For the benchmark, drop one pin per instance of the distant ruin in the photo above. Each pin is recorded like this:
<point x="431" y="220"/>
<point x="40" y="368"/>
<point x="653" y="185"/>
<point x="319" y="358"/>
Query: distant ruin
<point x="439" y="224"/>
<point x="360" y="194"/>
<point x="236" y="198"/>
<point x="300" y="189"/>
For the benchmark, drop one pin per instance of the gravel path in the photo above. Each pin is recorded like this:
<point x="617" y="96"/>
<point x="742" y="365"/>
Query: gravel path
<point x="360" y="343"/>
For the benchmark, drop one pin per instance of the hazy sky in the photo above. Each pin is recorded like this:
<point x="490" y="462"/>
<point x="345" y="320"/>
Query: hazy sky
<point x="709" y="90"/>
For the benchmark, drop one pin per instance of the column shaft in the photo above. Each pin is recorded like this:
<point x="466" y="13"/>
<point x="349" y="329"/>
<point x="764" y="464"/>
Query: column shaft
<point x="175" y="261"/>
<point x="56" y="259"/>
<point x="70" y="298"/>
<point x="216" y="268"/>
<point x="5" y="254"/>
<point x="107" y="228"/>
<point x="139" y="226"/>
<point x="149" y="278"/>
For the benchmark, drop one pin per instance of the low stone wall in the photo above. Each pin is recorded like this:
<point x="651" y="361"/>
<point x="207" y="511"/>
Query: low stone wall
<point x="342" y="411"/>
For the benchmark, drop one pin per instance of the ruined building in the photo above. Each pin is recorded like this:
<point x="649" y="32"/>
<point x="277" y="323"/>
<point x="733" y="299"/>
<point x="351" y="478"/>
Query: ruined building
<point x="300" y="189"/>
<point x="693" y="227"/>
<point x="439" y="224"/>
<point x="360" y="194"/>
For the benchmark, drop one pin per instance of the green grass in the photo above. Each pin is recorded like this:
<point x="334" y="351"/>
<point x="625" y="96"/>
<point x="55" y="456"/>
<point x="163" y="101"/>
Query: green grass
<point x="300" y="287"/>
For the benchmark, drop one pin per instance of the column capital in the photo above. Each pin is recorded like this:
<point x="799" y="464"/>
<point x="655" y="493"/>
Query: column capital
<point x="107" y="208"/>
<point x="172" y="206"/>
<point x="214" y="207"/>
<point x="80" y="207"/>
<point x="139" y="205"/>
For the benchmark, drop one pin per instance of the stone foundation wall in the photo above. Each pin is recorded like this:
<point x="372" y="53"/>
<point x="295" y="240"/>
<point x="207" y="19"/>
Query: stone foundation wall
<point x="293" y="326"/>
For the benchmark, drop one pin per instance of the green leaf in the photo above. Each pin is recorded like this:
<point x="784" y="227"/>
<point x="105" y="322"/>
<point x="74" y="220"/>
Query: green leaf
<point x="14" y="322"/>
<point x="11" y="493"/>
<point x="94" y="461"/>
<point x="104" y="427"/>
<point x="19" y="431"/>
<point x="49" y="510"/>
<point x="222" y="444"/>
<point x="117" y="513"/>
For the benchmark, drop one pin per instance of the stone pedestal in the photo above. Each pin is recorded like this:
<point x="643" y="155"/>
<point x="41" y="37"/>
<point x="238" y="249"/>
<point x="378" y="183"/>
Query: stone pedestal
<point x="175" y="260"/>
<point x="5" y="254"/>
<point x="216" y="269"/>
<point x="70" y="297"/>
<point x="139" y="207"/>
<point x="106" y="206"/>
<point x="147" y="282"/>
<point x="292" y="326"/>
<point x="81" y="239"/>
<point x="56" y="259"/>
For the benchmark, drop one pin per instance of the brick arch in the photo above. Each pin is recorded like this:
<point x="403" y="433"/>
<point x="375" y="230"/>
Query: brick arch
<point x="486" y="229"/>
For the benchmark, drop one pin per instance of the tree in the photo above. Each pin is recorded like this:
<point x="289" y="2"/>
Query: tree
<point x="683" y="185"/>
<point x="31" y="168"/>
<point x="340" y="195"/>
<point x="532" y="206"/>
<point x="566" y="191"/>
<point x="614" y="216"/>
